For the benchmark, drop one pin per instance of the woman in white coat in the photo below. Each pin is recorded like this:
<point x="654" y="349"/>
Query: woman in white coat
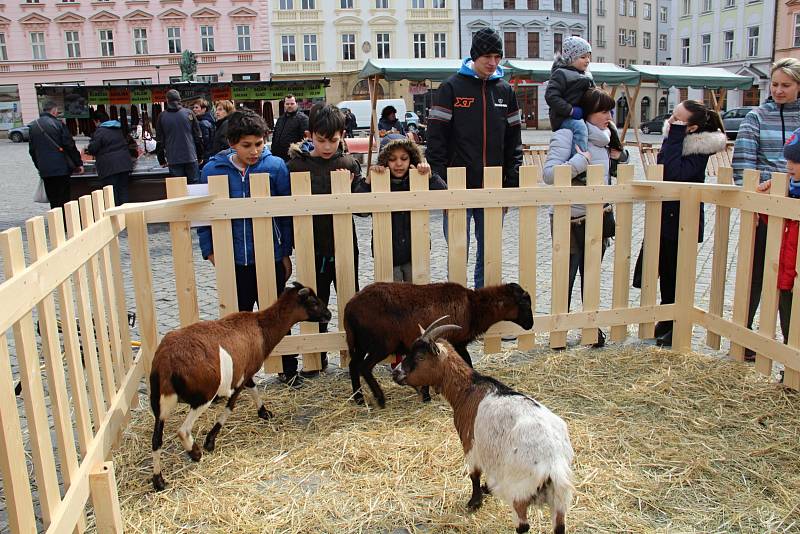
<point x="604" y="149"/>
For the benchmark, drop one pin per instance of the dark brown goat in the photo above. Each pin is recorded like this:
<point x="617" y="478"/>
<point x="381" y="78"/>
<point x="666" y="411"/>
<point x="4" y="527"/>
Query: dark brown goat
<point x="196" y="363"/>
<point x="384" y="319"/>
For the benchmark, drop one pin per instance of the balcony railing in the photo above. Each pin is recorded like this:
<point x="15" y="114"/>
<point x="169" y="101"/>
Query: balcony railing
<point x="349" y="64"/>
<point x="297" y="15"/>
<point x="244" y="57"/>
<point x="141" y="62"/>
<point x="300" y="67"/>
<point x="430" y="14"/>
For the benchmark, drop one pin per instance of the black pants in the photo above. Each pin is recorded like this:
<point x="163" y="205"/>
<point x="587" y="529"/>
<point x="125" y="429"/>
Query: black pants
<point x="247" y="295"/>
<point x="785" y="310"/>
<point x="577" y="254"/>
<point x="759" y="252"/>
<point x="120" y="183"/>
<point x="57" y="189"/>
<point x="325" y="269"/>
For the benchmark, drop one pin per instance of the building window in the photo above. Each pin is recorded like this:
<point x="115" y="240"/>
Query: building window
<point x="288" y="48"/>
<point x="622" y="63"/>
<point x="286" y="4"/>
<point x="687" y="7"/>
<point x="647" y="11"/>
<point x="439" y="4"/>
<point x="439" y="45"/>
<point x="663" y="14"/>
<point x="730" y="3"/>
<point x="645" y="107"/>
<point x="417" y="4"/>
<point x="346" y="4"/>
<point x="381" y="4"/>
<point x="622" y="37"/>
<point x="632" y="38"/>
<point x="510" y="42"/>
<point x="348" y="46"/>
<point x="621" y="8"/>
<point x="533" y="4"/>
<point x="37" y="45"/>
<point x="419" y="45"/>
<point x="207" y="38"/>
<point x="477" y="4"/>
<point x="206" y="78"/>
<point x="533" y="45"/>
<point x="727" y="44"/>
<point x="631" y="8"/>
<point x="662" y="41"/>
<point x="705" y="48"/>
<point x="243" y="37"/>
<point x="707" y="6"/>
<point x="601" y="36"/>
<point x="752" y="41"/>
<point x="384" y="50"/>
<point x="601" y="8"/>
<point x="646" y="62"/>
<point x="576" y="6"/>
<point x="646" y="40"/>
<point x="73" y="44"/>
<point x="3" y="50"/>
<point x="308" y="4"/>
<point x="509" y="4"/>
<point x="685" y="51"/>
<point x="310" y="47"/>
<point x="558" y="41"/>
<point x="558" y="5"/>
<point x="140" y="41"/>
<point x="106" y="43"/>
<point x="174" y="40"/>
<point x="797" y="30"/>
<point x="601" y="59"/>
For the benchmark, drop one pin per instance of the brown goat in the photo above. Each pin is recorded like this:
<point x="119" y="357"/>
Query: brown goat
<point x="196" y="363"/>
<point x="383" y="319"/>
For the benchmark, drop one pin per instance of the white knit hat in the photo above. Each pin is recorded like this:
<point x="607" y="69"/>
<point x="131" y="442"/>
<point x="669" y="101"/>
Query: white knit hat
<point x="573" y="48"/>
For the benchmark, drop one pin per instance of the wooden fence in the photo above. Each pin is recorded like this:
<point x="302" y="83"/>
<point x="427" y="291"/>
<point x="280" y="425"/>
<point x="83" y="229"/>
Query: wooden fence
<point x="89" y="398"/>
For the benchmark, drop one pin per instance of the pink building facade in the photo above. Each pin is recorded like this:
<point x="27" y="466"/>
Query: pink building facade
<point x="124" y="42"/>
<point x="787" y="29"/>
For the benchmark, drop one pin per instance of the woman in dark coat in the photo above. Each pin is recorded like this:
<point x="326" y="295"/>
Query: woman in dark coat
<point x="691" y="135"/>
<point x="113" y="159"/>
<point x="222" y="109"/>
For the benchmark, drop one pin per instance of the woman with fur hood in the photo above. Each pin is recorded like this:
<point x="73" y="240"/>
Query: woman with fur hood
<point x="691" y="135"/>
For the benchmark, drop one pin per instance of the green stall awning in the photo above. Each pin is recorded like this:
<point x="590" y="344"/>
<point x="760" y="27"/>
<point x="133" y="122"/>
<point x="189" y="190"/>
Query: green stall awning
<point x="410" y="69"/>
<point x="696" y="77"/>
<point x="539" y="71"/>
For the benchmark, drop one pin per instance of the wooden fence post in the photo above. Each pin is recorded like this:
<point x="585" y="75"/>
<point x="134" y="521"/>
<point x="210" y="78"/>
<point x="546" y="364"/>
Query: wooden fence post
<point x="457" y="245"/>
<point x="744" y="264"/>
<point x="791" y="377"/>
<point x="183" y="258"/>
<point x="103" y="487"/>
<point x="559" y="298"/>
<point x="345" y="255"/>
<point x="687" y="267"/>
<point x="421" y="234"/>
<point x="382" y="231"/>
<point x="593" y="253"/>
<point x="529" y="176"/>
<point x="722" y="226"/>
<point x="652" y="244"/>
<point x="622" y="253"/>
<point x="492" y="246"/>
<point x="224" y="262"/>
<point x="143" y="288"/>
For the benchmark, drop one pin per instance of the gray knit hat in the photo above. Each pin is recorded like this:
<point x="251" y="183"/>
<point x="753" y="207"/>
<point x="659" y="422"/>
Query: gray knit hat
<point x="573" y="48"/>
<point x="485" y="41"/>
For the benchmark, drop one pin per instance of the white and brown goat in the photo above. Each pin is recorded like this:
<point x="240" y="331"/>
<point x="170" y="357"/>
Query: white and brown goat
<point x="521" y="447"/>
<point x="196" y="363"/>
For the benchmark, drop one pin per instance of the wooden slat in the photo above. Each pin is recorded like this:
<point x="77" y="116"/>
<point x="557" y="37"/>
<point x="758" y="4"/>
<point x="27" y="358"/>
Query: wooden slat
<point x="183" y="259"/>
<point x="382" y="231"/>
<point x="98" y="328"/>
<point x="769" y="289"/>
<point x="88" y="344"/>
<point x="528" y="233"/>
<point x="156" y="205"/>
<point x="791" y="376"/>
<point x="224" y="262"/>
<point x="44" y="464"/>
<point x="687" y="267"/>
<point x="420" y="234"/>
<point x="51" y="349"/>
<point x="593" y="253"/>
<point x="744" y="263"/>
<point x="143" y="287"/>
<point x="559" y="298"/>
<point x="719" y="266"/>
<point x="103" y="486"/>
<point x="264" y="242"/>
<point x="492" y="246"/>
<point x="119" y="282"/>
<point x="457" y="230"/>
<point x="110" y="295"/>
<point x="622" y="253"/>
<point x="69" y="327"/>
<point x="652" y="243"/>
<point x="304" y="259"/>
<point x="16" y="489"/>
<point x="345" y="255"/>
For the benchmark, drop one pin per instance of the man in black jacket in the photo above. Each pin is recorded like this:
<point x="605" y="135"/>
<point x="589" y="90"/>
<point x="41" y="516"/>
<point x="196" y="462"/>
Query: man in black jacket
<point x="54" y="154"/>
<point x="289" y="128"/>
<point x="475" y="123"/>
<point x="180" y="143"/>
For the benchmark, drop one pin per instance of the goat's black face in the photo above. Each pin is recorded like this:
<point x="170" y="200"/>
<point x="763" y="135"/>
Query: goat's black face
<point x="316" y="310"/>
<point x="522" y="300"/>
<point x="419" y="367"/>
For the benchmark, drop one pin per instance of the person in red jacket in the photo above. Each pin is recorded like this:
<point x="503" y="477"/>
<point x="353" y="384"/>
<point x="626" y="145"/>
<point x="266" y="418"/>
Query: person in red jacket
<point x="787" y="264"/>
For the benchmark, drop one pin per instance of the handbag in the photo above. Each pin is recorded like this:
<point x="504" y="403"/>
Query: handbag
<point x="40" y="194"/>
<point x="609" y="223"/>
<point x="58" y="147"/>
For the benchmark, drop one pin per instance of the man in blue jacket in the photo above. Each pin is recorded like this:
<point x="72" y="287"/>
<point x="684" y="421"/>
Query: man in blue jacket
<point x="475" y="123"/>
<point x="247" y="155"/>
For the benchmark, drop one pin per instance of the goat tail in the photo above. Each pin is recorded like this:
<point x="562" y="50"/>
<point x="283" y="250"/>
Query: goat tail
<point x="561" y="496"/>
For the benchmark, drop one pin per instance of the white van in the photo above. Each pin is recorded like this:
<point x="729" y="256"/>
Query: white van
<point x="362" y="109"/>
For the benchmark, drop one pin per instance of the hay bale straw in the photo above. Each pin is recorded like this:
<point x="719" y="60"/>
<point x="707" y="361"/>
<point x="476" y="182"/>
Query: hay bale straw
<point x="664" y="442"/>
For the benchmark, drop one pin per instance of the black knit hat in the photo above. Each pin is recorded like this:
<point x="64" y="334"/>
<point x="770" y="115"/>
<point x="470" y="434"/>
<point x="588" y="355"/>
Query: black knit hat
<point x="486" y="41"/>
<point x="791" y="151"/>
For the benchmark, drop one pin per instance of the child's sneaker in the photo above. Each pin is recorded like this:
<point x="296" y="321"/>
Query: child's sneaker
<point x="294" y="381"/>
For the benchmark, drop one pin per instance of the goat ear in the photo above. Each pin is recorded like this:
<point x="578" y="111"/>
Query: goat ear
<point x="441" y="351"/>
<point x="305" y="292"/>
<point x="421" y="330"/>
<point x="297" y="285"/>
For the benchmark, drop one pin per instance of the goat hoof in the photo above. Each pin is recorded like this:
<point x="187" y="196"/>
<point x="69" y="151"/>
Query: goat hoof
<point x="525" y="527"/>
<point x="195" y="454"/>
<point x="381" y="402"/>
<point x="358" y="399"/>
<point x="158" y="482"/>
<point x="485" y="489"/>
<point x="209" y="445"/>
<point x="474" y="504"/>
<point x="426" y="396"/>
<point x="264" y="414"/>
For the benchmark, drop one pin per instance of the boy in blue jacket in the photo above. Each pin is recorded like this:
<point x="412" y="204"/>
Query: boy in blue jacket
<point x="246" y="132"/>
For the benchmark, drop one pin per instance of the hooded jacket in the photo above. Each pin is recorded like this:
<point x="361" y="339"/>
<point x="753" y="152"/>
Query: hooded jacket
<point x="289" y="129"/>
<point x="564" y="90"/>
<point x="109" y="146"/>
<point x="178" y="135"/>
<point x="220" y="141"/>
<point x="786" y="263"/>
<point x="239" y="187"/>
<point x="762" y="135"/>
<point x="475" y="123"/>
<point x="49" y="161"/>
<point x="320" y="170"/>
<point x="685" y="158"/>
<point x="207" y="130"/>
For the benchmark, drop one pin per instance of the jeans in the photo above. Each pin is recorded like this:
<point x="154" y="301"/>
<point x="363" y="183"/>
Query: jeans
<point x="577" y="254"/>
<point x="120" y="183"/>
<point x="190" y="170"/>
<point x="580" y="134"/>
<point x="477" y="215"/>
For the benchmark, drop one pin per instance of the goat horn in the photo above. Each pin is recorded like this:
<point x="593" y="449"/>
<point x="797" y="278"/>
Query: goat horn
<point x="437" y="332"/>
<point x="434" y="323"/>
